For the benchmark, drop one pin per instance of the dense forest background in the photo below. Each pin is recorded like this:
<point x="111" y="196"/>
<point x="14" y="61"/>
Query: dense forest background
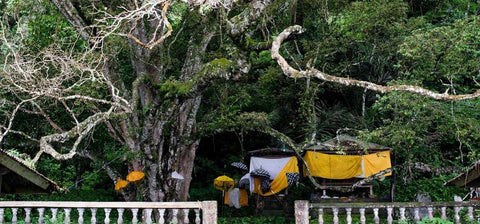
<point x="430" y="43"/>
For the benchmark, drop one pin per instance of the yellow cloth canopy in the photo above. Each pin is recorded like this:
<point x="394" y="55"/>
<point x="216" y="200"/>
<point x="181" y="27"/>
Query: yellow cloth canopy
<point x="333" y="166"/>
<point x="376" y="162"/>
<point x="346" y="166"/>
<point x="280" y="181"/>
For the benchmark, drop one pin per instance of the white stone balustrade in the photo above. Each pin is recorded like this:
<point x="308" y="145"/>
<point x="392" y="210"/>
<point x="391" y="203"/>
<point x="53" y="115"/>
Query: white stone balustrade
<point x="62" y="211"/>
<point x="385" y="212"/>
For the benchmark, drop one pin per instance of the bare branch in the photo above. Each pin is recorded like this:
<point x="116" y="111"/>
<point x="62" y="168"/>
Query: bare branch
<point x="60" y="76"/>
<point x="45" y="115"/>
<point x="4" y="130"/>
<point x="114" y="24"/>
<point x="312" y="72"/>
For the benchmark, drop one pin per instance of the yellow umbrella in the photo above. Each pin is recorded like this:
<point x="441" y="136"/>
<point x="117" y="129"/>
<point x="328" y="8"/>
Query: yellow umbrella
<point x="120" y="184"/>
<point x="135" y="176"/>
<point x="223" y="183"/>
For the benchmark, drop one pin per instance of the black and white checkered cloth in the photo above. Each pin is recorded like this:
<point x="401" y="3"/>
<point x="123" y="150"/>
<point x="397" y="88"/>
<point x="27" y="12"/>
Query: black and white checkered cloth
<point x="292" y="179"/>
<point x="265" y="185"/>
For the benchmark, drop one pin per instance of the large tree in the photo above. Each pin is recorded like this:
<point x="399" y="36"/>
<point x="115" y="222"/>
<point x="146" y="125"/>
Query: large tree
<point x="139" y="69"/>
<point x="146" y="90"/>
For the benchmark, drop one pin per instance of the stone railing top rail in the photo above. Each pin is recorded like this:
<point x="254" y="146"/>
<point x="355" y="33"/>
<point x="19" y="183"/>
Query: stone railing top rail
<point x="397" y="204"/>
<point x="110" y="204"/>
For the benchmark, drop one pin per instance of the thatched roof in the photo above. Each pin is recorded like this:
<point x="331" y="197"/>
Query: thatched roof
<point x="16" y="177"/>
<point x="271" y="152"/>
<point x="346" y="144"/>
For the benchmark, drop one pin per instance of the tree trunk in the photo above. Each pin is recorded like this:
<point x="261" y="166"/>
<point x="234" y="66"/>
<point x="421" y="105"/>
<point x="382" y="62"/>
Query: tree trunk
<point x="164" y="142"/>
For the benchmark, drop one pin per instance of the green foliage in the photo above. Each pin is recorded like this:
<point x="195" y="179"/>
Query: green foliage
<point x="443" y="57"/>
<point x="429" y="221"/>
<point x="421" y="129"/>
<point x="363" y="21"/>
<point x="441" y="135"/>
<point x="174" y="87"/>
<point x="218" y="66"/>
<point x="433" y="186"/>
<point x="256" y="220"/>
<point x="443" y="12"/>
<point x="435" y="221"/>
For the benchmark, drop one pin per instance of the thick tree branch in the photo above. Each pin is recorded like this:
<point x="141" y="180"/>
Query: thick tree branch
<point x="312" y="72"/>
<point x="45" y="115"/>
<point x="238" y="24"/>
<point x="73" y="17"/>
<point x="370" y="178"/>
<point x="78" y="133"/>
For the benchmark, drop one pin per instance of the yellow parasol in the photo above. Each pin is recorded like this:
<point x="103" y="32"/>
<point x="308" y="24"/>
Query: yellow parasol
<point x="135" y="176"/>
<point x="223" y="183"/>
<point x="120" y="184"/>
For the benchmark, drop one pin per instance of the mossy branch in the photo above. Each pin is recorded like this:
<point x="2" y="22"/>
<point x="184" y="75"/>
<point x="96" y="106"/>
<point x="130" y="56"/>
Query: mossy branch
<point x="78" y="132"/>
<point x="257" y="45"/>
<point x="220" y="68"/>
<point x="135" y="94"/>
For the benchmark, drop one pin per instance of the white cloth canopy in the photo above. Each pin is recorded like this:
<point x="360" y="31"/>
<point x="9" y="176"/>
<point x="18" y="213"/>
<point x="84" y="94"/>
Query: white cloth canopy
<point x="272" y="165"/>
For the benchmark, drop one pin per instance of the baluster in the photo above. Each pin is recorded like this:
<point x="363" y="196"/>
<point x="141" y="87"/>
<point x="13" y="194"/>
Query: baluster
<point x="148" y="216"/>
<point x="185" y="215"/>
<point x="80" y="215"/>
<point x="67" y="215"/>
<point x="376" y="219"/>
<point x="54" y="214"/>
<point x="94" y="215"/>
<point x="161" y="211"/>
<point x="14" y="215"/>
<point x="134" y="215"/>
<point x="444" y="213"/>
<point x="349" y="215"/>
<point x="41" y="211"/>
<point x="416" y="214"/>
<point x="197" y="216"/>
<point x="389" y="215"/>
<point x="470" y="213"/>
<point x="362" y="215"/>
<point x="120" y="215"/>
<point x="27" y="215"/>
<point x="175" y="215"/>
<point x="430" y="212"/>
<point x="2" y="211"/>
<point x="402" y="214"/>
<point x="320" y="216"/>
<point x="457" y="216"/>
<point x="107" y="215"/>
<point x="335" y="215"/>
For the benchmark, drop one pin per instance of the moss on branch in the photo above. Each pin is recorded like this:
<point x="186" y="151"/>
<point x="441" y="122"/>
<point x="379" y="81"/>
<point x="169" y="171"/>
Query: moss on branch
<point x="220" y="67"/>
<point x="257" y="45"/>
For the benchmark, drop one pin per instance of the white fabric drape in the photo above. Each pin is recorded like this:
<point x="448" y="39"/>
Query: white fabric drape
<point x="272" y="165"/>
